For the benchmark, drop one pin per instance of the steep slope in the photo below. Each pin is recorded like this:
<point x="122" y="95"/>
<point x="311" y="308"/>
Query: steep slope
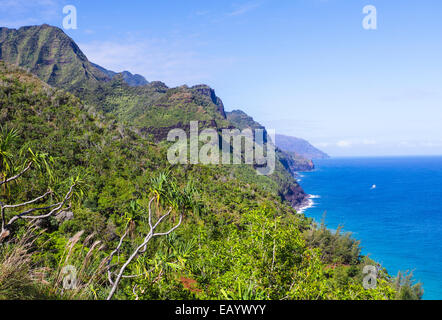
<point x="242" y="120"/>
<point x="154" y="109"/>
<point x="57" y="123"/>
<point x="150" y="110"/>
<point x="232" y="220"/>
<point x="49" y="53"/>
<point x="292" y="161"/>
<point x="299" y="146"/>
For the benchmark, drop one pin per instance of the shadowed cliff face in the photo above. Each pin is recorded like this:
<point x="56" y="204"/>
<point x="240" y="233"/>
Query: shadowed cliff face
<point x="293" y="162"/>
<point x="210" y="93"/>
<point x="294" y="194"/>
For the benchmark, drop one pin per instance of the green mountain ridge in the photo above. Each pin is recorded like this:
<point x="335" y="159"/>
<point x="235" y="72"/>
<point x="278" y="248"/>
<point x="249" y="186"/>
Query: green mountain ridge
<point x="55" y="58"/>
<point x="299" y="146"/>
<point x="150" y="110"/>
<point x="102" y="131"/>
<point x="133" y="80"/>
<point x="234" y="218"/>
<point x="49" y="53"/>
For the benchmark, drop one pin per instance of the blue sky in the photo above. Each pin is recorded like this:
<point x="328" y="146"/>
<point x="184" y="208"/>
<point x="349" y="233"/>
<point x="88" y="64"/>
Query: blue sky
<point x="306" y="68"/>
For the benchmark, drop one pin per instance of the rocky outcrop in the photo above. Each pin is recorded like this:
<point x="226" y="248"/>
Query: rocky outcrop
<point x="294" y="163"/>
<point x="206" y="91"/>
<point x="160" y="133"/>
<point x="294" y="194"/>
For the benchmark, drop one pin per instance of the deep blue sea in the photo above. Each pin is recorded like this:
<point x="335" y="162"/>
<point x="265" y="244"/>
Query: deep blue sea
<point x="399" y="222"/>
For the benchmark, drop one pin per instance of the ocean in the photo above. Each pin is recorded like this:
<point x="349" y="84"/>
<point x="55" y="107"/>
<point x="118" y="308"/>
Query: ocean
<point x="392" y="205"/>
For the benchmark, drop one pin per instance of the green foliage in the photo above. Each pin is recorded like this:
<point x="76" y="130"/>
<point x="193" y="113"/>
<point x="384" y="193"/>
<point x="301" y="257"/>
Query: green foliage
<point x="7" y="138"/>
<point x="48" y="52"/>
<point x="238" y="239"/>
<point x="406" y="289"/>
<point x="336" y="248"/>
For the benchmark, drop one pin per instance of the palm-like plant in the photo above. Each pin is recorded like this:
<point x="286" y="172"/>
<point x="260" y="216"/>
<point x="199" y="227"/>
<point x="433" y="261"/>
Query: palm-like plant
<point x="158" y="185"/>
<point x="43" y="162"/>
<point x="167" y="192"/>
<point x="7" y="139"/>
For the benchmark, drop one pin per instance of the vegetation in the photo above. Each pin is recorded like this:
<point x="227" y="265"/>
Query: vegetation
<point x="149" y="110"/>
<point x="216" y="219"/>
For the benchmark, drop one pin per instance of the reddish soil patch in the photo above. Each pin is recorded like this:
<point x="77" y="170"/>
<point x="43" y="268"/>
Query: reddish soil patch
<point x="190" y="284"/>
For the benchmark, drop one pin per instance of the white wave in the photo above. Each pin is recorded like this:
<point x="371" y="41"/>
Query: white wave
<point x="309" y="203"/>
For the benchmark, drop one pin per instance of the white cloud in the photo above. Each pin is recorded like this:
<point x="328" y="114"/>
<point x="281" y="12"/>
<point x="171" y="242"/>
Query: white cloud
<point x="344" y="144"/>
<point x="202" y="12"/>
<point x="17" y="13"/>
<point x="347" y="143"/>
<point x="407" y="144"/>
<point x="155" y="59"/>
<point x="244" y="8"/>
<point x="410" y="94"/>
<point x="24" y="5"/>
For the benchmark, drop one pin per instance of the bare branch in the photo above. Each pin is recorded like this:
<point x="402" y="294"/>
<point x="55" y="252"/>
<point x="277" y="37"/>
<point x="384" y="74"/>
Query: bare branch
<point x="24" y="213"/>
<point x="142" y="247"/>
<point x="161" y="219"/>
<point x="54" y="212"/>
<point x="56" y="209"/>
<point x="29" y="202"/>
<point x="150" y="213"/>
<point x="171" y="230"/>
<point x="152" y="228"/>
<point x="135" y="293"/>
<point x="17" y="176"/>
<point x="109" y="273"/>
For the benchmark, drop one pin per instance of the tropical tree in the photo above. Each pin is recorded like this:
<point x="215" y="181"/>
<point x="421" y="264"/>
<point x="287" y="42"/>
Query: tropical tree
<point x="27" y="210"/>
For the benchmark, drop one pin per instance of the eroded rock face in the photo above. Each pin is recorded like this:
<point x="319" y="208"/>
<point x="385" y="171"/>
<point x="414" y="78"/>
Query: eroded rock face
<point x="209" y="92"/>
<point x="294" y="163"/>
<point x="294" y="194"/>
<point x="160" y="134"/>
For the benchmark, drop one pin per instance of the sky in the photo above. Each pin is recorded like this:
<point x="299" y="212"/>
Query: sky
<point x="306" y="68"/>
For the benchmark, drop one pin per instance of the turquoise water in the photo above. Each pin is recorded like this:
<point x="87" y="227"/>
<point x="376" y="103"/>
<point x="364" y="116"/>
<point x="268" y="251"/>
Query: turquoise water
<point x="399" y="221"/>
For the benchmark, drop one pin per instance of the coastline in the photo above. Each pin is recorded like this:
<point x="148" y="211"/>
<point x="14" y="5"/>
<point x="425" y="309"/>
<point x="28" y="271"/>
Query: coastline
<point x="307" y="203"/>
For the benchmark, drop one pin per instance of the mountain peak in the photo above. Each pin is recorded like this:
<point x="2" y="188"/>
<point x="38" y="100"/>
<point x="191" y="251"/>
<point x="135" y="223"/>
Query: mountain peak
<point x="49" y="53"/>
<point x="242" y="120"/>
<point x="207" y="91"/>
<point x="134" y="80"/>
